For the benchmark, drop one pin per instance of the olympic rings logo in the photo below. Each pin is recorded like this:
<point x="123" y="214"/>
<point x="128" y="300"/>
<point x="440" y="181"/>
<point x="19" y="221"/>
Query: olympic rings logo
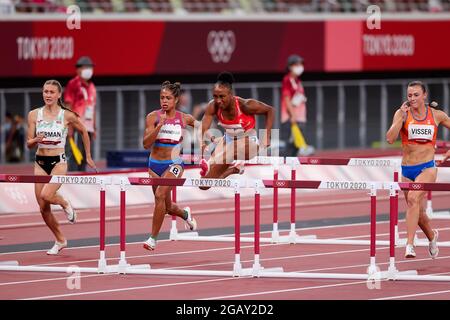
<point x="13" y="178"/>
<point x="280" y="183"/>
<point x="416" y="186"/>
<point x="145" y="181"/>
<point x="221" y="45"/>
<point x="314" y="161"/>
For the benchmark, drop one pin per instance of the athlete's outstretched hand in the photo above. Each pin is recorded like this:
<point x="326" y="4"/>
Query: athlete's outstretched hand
<point x="91" y="163"/>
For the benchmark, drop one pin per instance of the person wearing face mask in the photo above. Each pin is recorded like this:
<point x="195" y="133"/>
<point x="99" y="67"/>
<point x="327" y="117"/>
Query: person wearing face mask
<point x="293" y="109"/>
<point x="81" y="96"/>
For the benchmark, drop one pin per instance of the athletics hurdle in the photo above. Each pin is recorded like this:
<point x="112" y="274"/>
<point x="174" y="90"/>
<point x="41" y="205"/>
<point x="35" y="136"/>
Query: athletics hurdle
<point x="194" y="236"/>
<point x="190" y="182"/>
<point x="80" y="180"/>
<point x="442" y="215"/>
<point x="372" y="269"/>
<point x="299" y="161"/>
<point x="293" y="237"/>
<point x="392" y="273"/>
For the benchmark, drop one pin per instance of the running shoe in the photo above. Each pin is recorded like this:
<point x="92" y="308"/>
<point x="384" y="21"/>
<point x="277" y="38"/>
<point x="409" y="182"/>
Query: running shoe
<point x="204" y="167"/>
<point x="57" y="247"/>
<point x="70" y="213"/>
<point x="150" y="244"/>
<point x="432" y="246"/>
<point x="410" y="253"/>
<point x="191" y="223"/>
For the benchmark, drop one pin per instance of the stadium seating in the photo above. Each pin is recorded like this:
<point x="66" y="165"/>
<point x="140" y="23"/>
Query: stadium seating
<point x="226" y="6"/>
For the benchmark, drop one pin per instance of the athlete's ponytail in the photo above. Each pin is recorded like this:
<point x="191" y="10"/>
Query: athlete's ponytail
<point x="434" y="105"/>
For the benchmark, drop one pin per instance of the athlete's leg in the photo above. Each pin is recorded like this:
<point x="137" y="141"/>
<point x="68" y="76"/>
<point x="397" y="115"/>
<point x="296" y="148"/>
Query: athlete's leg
<point x="163" y="202"/>
<point x="427" y="175"/>
<point x="45" y="208"/>
<point x="217" y="163"/>
<point x="414" y="200"/>
<point x="49" y="192"/>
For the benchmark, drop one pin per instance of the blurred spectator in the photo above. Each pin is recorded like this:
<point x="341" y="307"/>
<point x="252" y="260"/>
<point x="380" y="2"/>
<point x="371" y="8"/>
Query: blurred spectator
<point x="14" y="133"/>
<point x="293" y="109"/>
<point x="20" y="134"/>
<point x="199" y="110"/>
<point x="435" y="6"/>
<point x="7" y="7"/>
<point x="81" y="96"/>
<point x="184" y="105"/>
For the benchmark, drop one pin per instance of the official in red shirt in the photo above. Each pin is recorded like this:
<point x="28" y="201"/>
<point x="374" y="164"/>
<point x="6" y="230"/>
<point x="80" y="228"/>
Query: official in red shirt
<point x="293" y="106"/>
<point x="81" y="96"/>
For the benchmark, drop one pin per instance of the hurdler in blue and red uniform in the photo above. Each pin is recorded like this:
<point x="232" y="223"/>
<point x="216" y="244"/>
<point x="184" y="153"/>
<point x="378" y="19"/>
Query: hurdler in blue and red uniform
<point x="163" y="134"/>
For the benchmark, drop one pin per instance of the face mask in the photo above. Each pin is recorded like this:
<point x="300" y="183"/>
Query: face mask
<point x="86" y="74"/>
<point x="298" y="70"/>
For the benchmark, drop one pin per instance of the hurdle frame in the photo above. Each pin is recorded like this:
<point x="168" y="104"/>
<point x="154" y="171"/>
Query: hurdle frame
<point x="102" y="181"/>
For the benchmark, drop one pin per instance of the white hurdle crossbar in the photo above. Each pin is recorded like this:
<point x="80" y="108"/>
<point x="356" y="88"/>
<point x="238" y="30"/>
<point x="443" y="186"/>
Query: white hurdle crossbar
<point x="79" y="180"/>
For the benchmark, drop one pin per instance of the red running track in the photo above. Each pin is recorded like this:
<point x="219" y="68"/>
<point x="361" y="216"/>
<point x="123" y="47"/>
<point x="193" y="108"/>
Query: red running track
<point x="219" y="256"/>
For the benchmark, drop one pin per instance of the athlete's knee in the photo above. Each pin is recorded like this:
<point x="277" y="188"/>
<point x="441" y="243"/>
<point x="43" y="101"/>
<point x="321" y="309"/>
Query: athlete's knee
<point x="44" y="208"/>
<point x="46" y="197"/>
<point x="413" y="200"/>
<point x="160" y="196"/>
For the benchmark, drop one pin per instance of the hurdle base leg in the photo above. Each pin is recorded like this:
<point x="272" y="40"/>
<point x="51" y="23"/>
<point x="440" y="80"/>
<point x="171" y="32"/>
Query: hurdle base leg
<point x="294" y="238"/>
<point x="140" y="266"/>
<point x="256" y="270"/>
<point x="192" y="236"/>
<point x="9" y="263"/>
<point x="275" y="233"/>
<point x="372" y="268"/>
<point x="392" y="275"/>
<point x="123" y="265"/>
<point x="441" y="215"/>
<point x="237" y="267"/>
<point x="173" y="233"/>
<point x="102" y="264"/>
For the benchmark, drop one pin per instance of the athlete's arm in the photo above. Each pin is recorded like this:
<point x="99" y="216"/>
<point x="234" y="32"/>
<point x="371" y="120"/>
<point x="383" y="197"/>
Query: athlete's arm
<point x="397" y="123"/>
<point x="74" y="121"/>
<point x="190" y="120"/>
<point x="207" y="119"/>
<point x="442" y="118"/>
<point x="252" y="106"/>
<point x="152" y="130"/>
<point x="32" y="139"/>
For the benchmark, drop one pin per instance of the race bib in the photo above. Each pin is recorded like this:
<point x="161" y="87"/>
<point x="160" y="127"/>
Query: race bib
<point x="170" y="132"/>
<point x="175" y="170"/>
<point x="420" y="132"/>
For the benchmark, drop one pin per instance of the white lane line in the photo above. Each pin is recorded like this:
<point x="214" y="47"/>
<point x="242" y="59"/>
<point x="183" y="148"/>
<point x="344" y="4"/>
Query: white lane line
<point x="130" y="288"/>
<point x="414" y="295"/>
<point x="211" y="264"/>
<point x="53" y="279"/>
<point x="303" y="289"/>
<point x="283" y="291"/>
<point x="235" y="296"/>
<point x="225" y="235"/>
